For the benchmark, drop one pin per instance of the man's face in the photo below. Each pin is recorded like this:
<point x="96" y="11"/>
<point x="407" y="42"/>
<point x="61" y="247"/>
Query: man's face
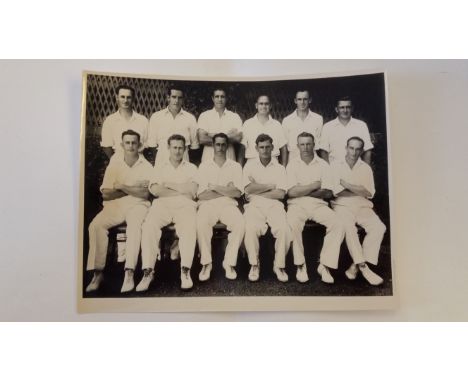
<point x="302" y="101"/>
<point x="264" y="149"/>
<point x="220" y="145"/>
<point x="176" y="99"/>
<point x="263" y="105"/>
<point x="176" y="150"/>
<point x="305" y="145"/>
<point x="354" y="149"/>
<point x="344" y="109"/>
<point x="130" y="143"/>
<point x="219" y="99"/>
<point x="124" y="99"/>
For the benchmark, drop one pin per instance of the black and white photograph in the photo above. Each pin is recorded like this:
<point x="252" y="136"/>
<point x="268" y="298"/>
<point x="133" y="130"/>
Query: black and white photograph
<point x="215" y="194"/>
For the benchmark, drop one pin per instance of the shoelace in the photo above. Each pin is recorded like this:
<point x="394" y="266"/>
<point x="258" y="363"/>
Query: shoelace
<point x="147" y="273"/>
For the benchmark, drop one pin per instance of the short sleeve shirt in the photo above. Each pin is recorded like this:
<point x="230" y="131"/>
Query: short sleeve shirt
<point x="360" y="175"/>
<point x="273" y="173"/>
<point x="114" y="125"/>
<point x="335" y="135"/>
<point x="213" y="123"/>
<point x="118" y="171"/>
<point x="293" y="125"/>
<point x="301" y="173"/>
<point x="210" y="172"/>
<point x="162" y="125"/>
<point x="165" y="172"/>
<point x="253" y="128"/>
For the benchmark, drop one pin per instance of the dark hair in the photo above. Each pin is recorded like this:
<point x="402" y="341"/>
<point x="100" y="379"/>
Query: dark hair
<point x="263" y="138"/>
<point x="176" y="88"/>
<point x="220" y="135"/>
<point x="123" y="86"/>
<point x="263" y="95"/>
<point x="216" y="89"/>
<point x="131" y="132"/>
<point x="176" y="137"/>
<point x="305" y="134"/>
<point x="343" y="98"/>
<point x="356" y="139"/>
<point x="302" y="91"/>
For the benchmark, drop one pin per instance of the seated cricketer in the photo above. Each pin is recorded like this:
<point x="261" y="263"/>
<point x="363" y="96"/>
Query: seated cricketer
<point x="174" y="185"/>
<point x="265" y="187"/>
<point x="125" y="199"/>
<point x="310" y="183"/>
<point x="220" y="183"/>
<point x="354" y="187"/>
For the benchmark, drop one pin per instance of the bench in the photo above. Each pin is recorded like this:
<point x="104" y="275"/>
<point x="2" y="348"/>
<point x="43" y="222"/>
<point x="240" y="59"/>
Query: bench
<point x="118" y="237"/>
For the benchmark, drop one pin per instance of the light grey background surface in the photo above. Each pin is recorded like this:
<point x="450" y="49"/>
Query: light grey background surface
<point x="40" y="105"/>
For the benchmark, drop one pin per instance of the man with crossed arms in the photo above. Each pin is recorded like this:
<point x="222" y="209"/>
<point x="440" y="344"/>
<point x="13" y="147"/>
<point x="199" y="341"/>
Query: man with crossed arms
<point x="174" y="185"/>
<point x="125" y="194"/>
<point x="220" y="183"/>
<point x="354" y="186"/>
<point x="310" y="183"/>
<point x="265" y="187"/>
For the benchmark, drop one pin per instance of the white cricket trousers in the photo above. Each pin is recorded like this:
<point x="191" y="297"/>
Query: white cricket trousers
<point x="256" y="219"/>
<point x="208" y="215"/>
<point x="375" y="230"/>
<point x="160" y="215"/>
<point x="322" y="214"/>
<point x="110" y="216"/>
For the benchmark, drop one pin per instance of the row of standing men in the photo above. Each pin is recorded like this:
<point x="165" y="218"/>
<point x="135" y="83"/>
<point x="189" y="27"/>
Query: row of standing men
<point x="308" y="181"/>
<point x="330" y="137"/>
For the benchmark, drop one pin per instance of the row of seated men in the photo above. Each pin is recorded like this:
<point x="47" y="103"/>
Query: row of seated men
<point x="308" y="181"/>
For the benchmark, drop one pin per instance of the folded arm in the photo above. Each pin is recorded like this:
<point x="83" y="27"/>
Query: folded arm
<point x="188" y="189"/>
<point x="322" y="194"/>
<point x="230" y="190"/>
<point x="277" y="194"/>
<point x="355" y="189"/>
<point x="161" y="191"/>
<point x="139" y="190"/>
<point x="112" y="194"/>
<point x="258" y="188"/>
<point x="304" y="190"/>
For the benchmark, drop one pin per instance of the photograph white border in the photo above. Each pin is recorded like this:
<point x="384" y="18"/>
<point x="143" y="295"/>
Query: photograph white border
<point x="237" y="303"/>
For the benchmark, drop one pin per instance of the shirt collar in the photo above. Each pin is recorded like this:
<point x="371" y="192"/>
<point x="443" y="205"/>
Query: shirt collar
<point x="269" y="118"/>
<point x="309" y="113"/>
<point x="337" y="121"/>
<point x="181" y="112"/>
<point x="121" y="116"/>
<point x="313" y="161"/>
<point x="121" y="158"/>
<point x="272" y="162"/>
<point x="225" y="164"/>
<point x="224" y="112"/>
<point x="167" y="162"/>
<point x="358" y="163"/>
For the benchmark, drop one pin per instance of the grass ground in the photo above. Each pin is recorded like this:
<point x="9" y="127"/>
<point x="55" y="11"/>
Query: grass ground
<point x="167" y="279"/>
